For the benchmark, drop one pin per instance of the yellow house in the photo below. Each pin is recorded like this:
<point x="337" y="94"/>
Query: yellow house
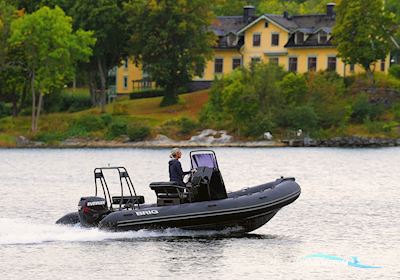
<point x="298" y="43"/>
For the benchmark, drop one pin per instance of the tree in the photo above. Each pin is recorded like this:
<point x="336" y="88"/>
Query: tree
<point x="51" y="50"/>
<point x="362" y="32"/>
<point x="6" y="16"/>
<point x="394" y="7"/>
<point x="109" y="22"/>
<point x="171" y="40"/>
<point x="12" y="74"/>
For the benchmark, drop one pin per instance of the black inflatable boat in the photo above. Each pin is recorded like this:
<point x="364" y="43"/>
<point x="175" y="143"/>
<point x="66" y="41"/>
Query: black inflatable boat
<point x="203" y="204"/>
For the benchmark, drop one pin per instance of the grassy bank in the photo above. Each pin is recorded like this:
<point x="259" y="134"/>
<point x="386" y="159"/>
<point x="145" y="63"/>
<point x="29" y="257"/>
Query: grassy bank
<point x="175" y="121"/>
<point x="141" y="119"/>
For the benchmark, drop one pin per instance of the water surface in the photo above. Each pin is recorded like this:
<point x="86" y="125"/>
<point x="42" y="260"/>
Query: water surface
<point x="349" y="206"/>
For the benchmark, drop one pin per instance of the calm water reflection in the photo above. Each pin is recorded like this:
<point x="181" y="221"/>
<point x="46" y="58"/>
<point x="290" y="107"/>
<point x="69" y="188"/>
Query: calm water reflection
<point x="349" y="207"/>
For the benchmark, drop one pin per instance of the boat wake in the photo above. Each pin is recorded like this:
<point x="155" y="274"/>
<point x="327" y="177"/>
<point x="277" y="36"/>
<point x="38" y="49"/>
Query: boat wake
<point x="18" y="231"/>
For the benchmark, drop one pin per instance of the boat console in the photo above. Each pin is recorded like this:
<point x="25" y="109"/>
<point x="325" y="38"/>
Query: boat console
<point x="205" y="182"/>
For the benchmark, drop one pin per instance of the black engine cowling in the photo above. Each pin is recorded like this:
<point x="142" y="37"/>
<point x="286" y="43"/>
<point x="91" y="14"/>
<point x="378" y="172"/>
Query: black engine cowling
<point x="92" y="210"/>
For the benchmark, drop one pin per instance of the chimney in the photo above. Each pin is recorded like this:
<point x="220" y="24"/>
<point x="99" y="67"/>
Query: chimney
<point x="286" y="14"/>
<point x="249" y="13"/>
<point x="330" y="9"/>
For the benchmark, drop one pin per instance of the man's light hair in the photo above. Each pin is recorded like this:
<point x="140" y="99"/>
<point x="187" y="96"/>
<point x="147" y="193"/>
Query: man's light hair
<point x="174" y="151"/>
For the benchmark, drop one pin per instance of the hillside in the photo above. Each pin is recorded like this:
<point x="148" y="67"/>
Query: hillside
<point x="57" y="127"/>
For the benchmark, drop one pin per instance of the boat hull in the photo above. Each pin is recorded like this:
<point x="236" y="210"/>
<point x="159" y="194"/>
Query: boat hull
<point x="242" y="211"/>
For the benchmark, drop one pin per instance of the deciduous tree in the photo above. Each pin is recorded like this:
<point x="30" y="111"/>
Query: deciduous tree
<point x="51" y="50"/>
<point x="362" y="32"/>
<point x="171" y="39"/>
<point x="108" y="21"/>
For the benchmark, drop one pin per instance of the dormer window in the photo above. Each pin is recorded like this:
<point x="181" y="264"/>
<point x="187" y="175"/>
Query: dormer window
<point x="299" y="38"/>
<point x="322" y="37"/>
<point x="232" y="40"/>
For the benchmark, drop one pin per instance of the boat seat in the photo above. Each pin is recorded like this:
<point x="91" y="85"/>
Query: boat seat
<point x="169" y="192"/>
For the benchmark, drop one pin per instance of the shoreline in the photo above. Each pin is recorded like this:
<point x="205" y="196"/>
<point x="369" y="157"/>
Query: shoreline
<point x="340" y="142"/>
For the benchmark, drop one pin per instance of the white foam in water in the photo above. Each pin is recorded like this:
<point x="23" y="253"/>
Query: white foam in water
<point x="30" y="232"/>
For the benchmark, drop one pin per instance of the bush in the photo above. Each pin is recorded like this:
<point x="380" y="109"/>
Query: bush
<point x="49" y="137"/>
<point x="302" y="117"/>
<point x="374" y="126"/>
<point x="67" y="102"/>
<point x="75" y="102"/>
<point x="88" y="123"/>
<point x="187" y="125"/>
<point x="117" y="128"/>
<point x="396" y="112"/>
<point x="138" y="132"/>
<point x="394" y="70"/>
<point x="294" y="88"/>
<point x="386" y="81"/>
<point x="326" y="96"/>
<point x="260" y="125"/>
<point x="5" y="110"/>
<point x="106" y="118"/>
<point x="362" y="109"/>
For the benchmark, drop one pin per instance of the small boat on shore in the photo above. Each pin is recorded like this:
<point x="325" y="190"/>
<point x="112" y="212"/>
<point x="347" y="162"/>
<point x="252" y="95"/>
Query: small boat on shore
<point x="203" y="204"/>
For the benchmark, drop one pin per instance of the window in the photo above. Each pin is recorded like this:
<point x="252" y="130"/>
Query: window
<point x="255" y="59"/>
<point x="322" y="37"/>
<point x="274" y="60"/>
<point x="232" y="40"/>
<point x="312" y="63"/>
<point x="383" y="65"/>
<point x="292" y="64"/>
<point x="218" y="65"/>
<point x="256" y="40"/>
<point x="331" y="63"/>
<point x="236" y="62"/>
<point x="352" y="67"/>
<point x="266" y="24"/>
<point x="125" y="82"/>
<point x="275" y="39"/>
<point x="299" y="38"/>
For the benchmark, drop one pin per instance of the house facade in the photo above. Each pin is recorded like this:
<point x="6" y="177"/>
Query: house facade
<point x="298" y="43"/>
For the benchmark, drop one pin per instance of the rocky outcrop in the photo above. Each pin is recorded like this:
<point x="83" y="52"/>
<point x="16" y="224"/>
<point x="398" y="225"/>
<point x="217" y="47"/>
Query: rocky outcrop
<point x="211" y="136"/>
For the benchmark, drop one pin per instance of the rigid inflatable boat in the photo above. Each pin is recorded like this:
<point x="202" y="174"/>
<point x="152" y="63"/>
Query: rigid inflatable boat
<point x="203" y="204"/>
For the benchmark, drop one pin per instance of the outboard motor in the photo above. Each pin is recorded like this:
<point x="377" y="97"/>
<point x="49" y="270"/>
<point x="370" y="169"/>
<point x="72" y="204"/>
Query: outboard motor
<point x="92" y="210"/>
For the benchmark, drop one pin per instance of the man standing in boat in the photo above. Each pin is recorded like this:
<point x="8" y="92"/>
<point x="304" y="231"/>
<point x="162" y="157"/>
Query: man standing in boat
<point x="175" y="168"/>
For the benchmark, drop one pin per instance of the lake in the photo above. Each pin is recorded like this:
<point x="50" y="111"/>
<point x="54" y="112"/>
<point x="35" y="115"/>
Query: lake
<point x="344" y="225"/>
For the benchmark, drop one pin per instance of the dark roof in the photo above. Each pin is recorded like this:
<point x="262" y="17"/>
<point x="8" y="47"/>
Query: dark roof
<point x="309" y="23"/>
<point x="227" y="24"/>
